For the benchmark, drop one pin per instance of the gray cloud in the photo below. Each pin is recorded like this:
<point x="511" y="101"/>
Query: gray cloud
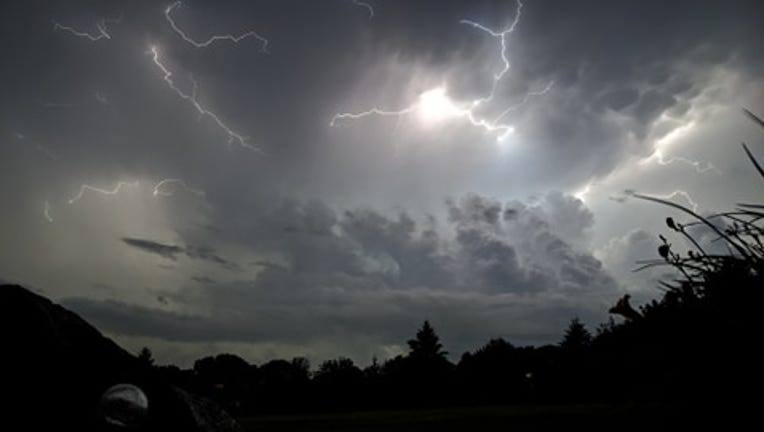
<point x="163" y="250"/>
<point x="368" y="277"/>
<point x="203" y="280"/>
<point x="205" y="253"/>
<point x="132" y="320"/>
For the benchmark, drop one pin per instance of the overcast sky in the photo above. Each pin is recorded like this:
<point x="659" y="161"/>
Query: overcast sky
<point x="280" y="178"/>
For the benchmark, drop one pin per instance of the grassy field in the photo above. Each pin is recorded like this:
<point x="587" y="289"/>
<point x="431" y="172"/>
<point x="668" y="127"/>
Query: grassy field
<point x="510" y="418"/>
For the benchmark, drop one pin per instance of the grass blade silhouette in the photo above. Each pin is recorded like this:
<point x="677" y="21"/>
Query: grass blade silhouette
<point x="728" y="239"/>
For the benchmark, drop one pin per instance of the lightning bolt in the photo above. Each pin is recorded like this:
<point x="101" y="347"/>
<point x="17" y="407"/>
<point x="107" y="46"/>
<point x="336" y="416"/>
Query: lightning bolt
<point x="102" y="26"/>
<point x="365" y="5"/>
<point x="160" y="190"/>
<point x="86" y="187"/>
<point x="46" y="212"/>
<point x="468" y="109"/>
<point x="39" y="147"/>
<point x="212" y="39"/>
<point x="630" y="192"/>
<point x="192" y="99"/>
<point x="502" y="36"/>
<point x="525" y="100"/>
<point x="699" y="167"/>
<point x="373" y="111"/>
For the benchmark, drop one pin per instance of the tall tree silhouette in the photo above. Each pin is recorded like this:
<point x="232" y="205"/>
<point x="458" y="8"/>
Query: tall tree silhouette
<point x="425" y="372"/>
<point x="426" y="345"/>
<point x="576" y="336"/>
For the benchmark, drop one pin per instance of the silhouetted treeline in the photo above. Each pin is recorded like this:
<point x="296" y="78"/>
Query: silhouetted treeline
<point x="698" y="346"/>
<point x="691" y="348"/>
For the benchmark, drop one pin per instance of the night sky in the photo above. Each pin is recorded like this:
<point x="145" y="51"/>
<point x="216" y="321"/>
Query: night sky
<point x="282" y="178"/>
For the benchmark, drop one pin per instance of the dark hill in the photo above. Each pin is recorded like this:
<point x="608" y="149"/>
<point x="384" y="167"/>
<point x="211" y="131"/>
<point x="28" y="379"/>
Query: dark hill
<point x="56" y="367"/>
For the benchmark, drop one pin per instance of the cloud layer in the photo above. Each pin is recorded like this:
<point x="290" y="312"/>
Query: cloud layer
<point x="491" y="268"/>
<point x="338" y="236"/>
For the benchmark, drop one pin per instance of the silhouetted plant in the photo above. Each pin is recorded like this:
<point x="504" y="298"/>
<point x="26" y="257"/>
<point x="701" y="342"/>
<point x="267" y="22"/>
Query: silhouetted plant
<point x="741" y="231"/>
<point x="685" y="344"/>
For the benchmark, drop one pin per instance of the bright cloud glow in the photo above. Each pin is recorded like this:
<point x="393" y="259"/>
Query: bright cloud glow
<point x="435" y="106"/>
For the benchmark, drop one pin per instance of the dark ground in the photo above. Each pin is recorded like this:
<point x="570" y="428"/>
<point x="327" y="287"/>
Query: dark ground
<point x="504" y="418"/>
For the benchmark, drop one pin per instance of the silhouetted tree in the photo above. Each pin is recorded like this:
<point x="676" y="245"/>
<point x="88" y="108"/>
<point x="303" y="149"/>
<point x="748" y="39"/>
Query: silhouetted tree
<point x="426" y="345"/>
<point x="339" y="382"/>
<point x="301" y="366"/>
<point x="227" y="378"/>
<point x="373" y="370"/>
<point x="493" y="373"/>
<point x="146" y="356"/>
<point x="424" y="374"/>
<point x="577" y="337"/>
<point x="334" y="368"/>
<point x="283" y="385"/>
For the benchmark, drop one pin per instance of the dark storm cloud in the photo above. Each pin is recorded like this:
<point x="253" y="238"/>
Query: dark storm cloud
<point x="329" y="258"/>
<point x="130" y="320"/>
<point x="377" y="318"/>
<point x="639" y="60"/>
<point x="203" y="280"/>
<point x="208" y="253"/>
<point x="205" y="253"/>
<point x="161" y="249"/>
<point x="371" y="276"/>
<point x="636" y="60"/>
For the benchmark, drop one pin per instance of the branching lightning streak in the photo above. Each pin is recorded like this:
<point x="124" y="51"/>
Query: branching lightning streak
<point x="699" y="167"/>
<point x="213" y="39"/>
<point x="102" y="27"/>
<point x="46" y="212"/>
<point x="377" y="111"/>
<point x="365" y="5"/>
<point x="525" y="100"/>
<point x="114" y="191"/>
<point x="467" y="109"/>
<point x="159" y="191"/>
<point x="693" y="204"/>
<point x="232" y="136"/>
<point x="39" y="147"/>
<point x="502" y="35"/>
